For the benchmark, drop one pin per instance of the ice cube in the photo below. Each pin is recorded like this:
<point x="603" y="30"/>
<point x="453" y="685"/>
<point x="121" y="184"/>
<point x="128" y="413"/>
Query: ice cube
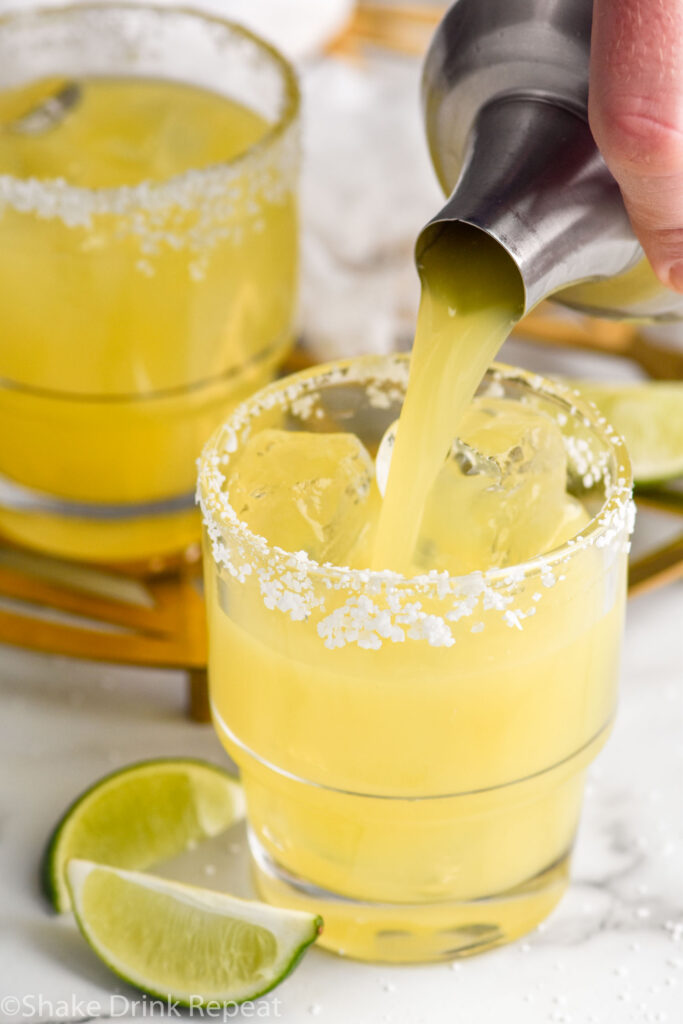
<point x="573" y="519"/>
<point x="501" y="495"/>
<point x="467" y="458"/>
<point x="304" y="491"/>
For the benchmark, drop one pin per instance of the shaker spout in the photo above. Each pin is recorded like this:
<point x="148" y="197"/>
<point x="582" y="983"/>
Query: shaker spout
<point x="505" y="96"/>
<point x="534" y="180"/>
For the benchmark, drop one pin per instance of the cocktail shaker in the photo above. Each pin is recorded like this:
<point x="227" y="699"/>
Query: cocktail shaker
<point x="505" y="98"/>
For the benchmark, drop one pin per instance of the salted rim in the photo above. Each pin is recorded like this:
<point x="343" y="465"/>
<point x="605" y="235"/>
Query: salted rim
<point x="615" y="513"/>
<point x="124" y="199"/>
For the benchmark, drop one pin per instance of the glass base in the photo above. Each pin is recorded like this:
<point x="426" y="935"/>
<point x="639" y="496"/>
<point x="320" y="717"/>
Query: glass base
<point x="115" y="479"/>
<point x="413" y="932"/>
<point x="103" y="537"/>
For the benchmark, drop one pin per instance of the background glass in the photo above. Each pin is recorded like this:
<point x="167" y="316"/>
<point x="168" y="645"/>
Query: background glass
<point x="132" y="316"/>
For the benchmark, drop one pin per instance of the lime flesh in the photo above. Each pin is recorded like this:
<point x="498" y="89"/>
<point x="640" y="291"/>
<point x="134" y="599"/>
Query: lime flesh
<point x="649" y="416"/>
<point x="174" y="941"/>
<point x="141" y="815"/>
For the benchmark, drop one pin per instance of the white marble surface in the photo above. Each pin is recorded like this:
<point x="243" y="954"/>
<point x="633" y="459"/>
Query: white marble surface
<point x="613" y="951"/>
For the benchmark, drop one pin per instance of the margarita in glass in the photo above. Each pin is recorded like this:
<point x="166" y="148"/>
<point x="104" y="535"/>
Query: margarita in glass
<point x="413" y="743"/>
<point x="148" y="264"/>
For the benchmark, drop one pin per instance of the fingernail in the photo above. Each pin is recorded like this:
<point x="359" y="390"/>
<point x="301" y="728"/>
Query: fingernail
<point x="676" y="277"/>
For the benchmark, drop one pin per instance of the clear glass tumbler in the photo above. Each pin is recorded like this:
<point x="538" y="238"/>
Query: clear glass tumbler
<point x="413" y="750"/>
<point x="133" y="315"/>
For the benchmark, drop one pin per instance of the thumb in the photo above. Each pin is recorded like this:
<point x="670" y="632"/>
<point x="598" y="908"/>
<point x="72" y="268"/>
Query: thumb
<point x="636" y="115"/>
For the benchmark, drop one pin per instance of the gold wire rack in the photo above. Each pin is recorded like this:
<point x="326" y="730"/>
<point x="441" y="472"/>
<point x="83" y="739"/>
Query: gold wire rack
<point x="154" y="615"/>
<point x="403" y="28"/>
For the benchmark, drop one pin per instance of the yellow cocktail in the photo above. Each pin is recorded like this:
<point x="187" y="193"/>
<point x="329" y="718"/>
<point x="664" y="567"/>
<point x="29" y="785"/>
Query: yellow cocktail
<point x="148" y="265"/>
<point x="413" y="747"/>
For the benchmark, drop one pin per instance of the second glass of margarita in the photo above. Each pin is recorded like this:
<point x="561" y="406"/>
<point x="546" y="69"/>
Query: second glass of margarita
<point x="148" y="264"/>
<point x="413" y="748"/>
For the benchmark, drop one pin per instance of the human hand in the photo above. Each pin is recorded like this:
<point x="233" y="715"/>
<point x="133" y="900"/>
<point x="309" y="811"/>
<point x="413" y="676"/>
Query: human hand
<point x="636" y="115"/>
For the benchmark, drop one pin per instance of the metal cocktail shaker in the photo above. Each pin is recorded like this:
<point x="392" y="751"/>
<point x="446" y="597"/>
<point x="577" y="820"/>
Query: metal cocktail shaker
<point x="505" y="95"/>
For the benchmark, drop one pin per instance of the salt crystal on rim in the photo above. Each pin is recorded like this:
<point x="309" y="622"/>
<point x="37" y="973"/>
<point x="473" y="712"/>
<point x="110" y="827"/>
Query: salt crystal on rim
<point x="382" y="606"/>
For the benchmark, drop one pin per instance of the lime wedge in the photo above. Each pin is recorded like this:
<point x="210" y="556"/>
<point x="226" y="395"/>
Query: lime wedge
<point x="141" y="815"/>
<point x="649" y="416"/>
<point x="193" y="946"/>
